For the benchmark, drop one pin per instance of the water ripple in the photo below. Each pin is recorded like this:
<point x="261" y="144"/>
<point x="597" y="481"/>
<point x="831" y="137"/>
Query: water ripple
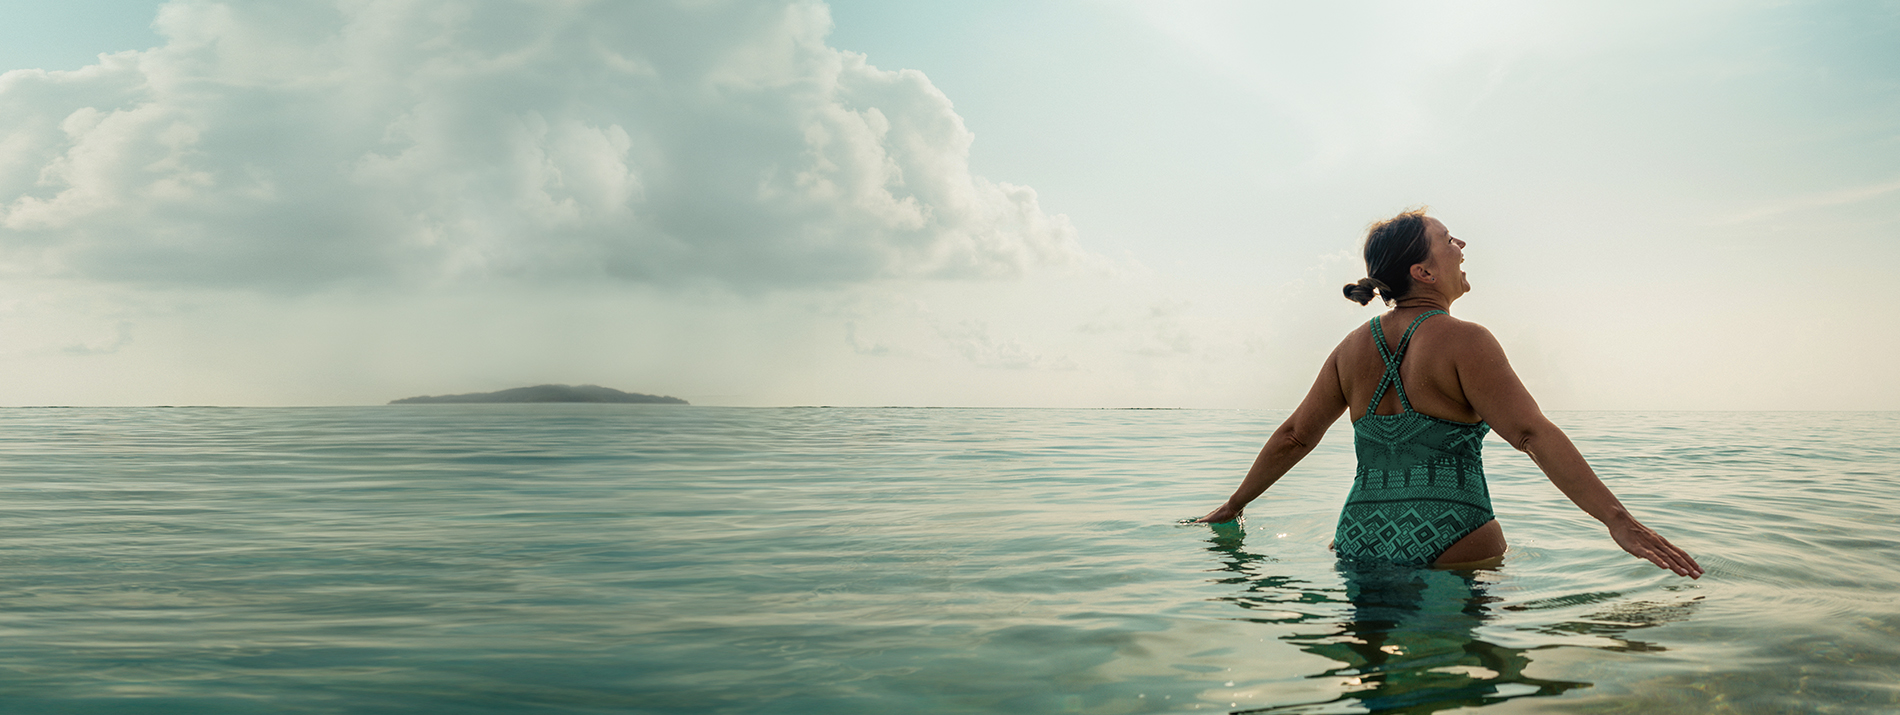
<point x="613" y="558"/>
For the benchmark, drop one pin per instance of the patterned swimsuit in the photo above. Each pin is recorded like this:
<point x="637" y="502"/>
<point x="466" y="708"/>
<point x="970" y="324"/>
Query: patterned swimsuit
<point x="1420" y="485"/>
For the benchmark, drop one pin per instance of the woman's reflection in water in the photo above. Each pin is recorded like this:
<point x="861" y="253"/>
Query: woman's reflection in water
<point x="1408" y="642"/>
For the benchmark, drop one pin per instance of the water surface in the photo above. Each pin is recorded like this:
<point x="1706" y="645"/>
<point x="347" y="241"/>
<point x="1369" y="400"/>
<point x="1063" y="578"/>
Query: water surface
<point x="657" y="559"/>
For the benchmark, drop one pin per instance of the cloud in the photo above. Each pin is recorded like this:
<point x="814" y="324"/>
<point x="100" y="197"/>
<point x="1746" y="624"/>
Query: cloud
<point x="121" y="337"/>
<point x="292" y="145"/>
<point x="1361" y="80"/>
<point x="972" y="340"/>
<point x="1829" y="199"/>
<point x="1156" y="330"/>
<point x="862" y="347"/>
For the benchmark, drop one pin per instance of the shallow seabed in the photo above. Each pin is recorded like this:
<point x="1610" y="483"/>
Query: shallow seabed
<point x="653" y="559"/>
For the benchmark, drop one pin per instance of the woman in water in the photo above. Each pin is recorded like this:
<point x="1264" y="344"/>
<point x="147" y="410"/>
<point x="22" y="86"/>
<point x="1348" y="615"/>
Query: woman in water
<point x="1419" y="496"/>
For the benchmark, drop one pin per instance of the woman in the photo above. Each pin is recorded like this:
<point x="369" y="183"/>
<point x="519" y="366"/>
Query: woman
<point x="1423" y="389"/>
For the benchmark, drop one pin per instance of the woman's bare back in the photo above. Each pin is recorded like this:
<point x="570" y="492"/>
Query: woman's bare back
<point x="1430" y="369"/>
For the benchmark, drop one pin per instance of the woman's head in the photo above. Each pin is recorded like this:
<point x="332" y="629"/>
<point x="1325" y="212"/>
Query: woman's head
<point x="1399" y="255"/>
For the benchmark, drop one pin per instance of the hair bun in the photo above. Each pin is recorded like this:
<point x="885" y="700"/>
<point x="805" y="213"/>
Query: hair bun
<point x="1361" y="292"/>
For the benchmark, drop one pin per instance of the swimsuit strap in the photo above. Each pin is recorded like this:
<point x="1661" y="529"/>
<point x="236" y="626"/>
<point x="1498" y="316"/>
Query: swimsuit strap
<point x="1392" y="359"/>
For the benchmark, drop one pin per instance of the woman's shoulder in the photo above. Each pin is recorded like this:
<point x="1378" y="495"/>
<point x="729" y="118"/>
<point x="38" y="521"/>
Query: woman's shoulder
<point x="1463" y="336"/>
<point x="1355" y="337"/>
<point x="1443" y="327"/>
<point x="1446" y="322"/>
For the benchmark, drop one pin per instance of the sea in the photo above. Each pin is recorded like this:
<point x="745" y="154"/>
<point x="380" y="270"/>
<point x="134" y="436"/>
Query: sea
<point x="569" y="558"/>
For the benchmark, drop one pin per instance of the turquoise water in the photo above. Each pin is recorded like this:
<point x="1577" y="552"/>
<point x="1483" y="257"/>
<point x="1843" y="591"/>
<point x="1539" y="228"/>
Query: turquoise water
<point x="652" y="559"/>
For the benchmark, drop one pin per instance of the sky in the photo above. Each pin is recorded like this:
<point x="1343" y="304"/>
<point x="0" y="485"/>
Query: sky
<point x="1668" y="206"/>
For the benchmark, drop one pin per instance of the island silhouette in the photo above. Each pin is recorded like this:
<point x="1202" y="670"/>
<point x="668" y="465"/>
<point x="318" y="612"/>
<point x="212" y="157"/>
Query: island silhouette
<point x="545" y="393"/>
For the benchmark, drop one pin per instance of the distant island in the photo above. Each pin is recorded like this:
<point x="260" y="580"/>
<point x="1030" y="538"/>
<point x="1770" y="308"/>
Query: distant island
<point x="545" y="393"/>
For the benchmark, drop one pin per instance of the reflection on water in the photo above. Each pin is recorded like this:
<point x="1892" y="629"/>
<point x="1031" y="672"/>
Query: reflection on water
<point x="1406" y="638"/>
<point x="480" y="559"/>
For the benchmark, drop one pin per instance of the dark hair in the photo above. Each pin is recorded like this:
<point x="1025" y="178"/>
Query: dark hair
<point x="1393" y="246"/>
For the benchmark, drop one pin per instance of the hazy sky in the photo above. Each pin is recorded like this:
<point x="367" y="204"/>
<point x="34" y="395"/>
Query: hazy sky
<point x="1678" y="205"/>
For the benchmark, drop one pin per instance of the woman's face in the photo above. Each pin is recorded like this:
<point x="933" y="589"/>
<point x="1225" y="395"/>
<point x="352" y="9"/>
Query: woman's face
<point x="1444" y="263"/>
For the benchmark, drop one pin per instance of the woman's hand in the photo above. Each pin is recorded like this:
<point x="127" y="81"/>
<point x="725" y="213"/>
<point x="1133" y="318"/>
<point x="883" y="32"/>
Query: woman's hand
<point x="1646" y="544"/>
<point x="1289" y="444"/>
<point x="1219" y="516"/>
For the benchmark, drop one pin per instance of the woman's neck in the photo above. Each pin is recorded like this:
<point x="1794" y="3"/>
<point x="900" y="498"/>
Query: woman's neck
<point x="1422" y="302"/>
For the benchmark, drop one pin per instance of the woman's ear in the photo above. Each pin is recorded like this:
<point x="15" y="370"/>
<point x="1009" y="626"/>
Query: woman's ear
<point x="1422" y="274"/>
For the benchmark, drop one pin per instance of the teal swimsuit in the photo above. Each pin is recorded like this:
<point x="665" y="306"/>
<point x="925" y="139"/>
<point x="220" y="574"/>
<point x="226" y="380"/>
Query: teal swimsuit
<point x="1420" y="485"/>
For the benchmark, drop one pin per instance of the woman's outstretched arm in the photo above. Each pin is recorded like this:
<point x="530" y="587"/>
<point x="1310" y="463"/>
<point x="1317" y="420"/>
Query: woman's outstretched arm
<point x="1295" y="439"/>
<point x="1500" y="398"/>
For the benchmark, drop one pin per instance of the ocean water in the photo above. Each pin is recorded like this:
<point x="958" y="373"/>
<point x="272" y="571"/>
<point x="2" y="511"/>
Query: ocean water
<point x="656" y="559"/>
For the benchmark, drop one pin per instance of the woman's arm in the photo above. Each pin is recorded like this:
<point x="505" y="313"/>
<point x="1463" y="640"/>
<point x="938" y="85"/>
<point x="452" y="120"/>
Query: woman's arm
<point x="1500" y="398"/>
<point x="1295" y="439"/>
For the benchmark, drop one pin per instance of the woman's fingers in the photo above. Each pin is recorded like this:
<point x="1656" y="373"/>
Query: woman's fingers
<point x="1650" y="546"/>
<point x="1685" y="563"/>
<point x="1681" y="560"/>
<point x="1668" y="556"/>
<point x="1670" y="561"/>
<point x="1218" y="516"/>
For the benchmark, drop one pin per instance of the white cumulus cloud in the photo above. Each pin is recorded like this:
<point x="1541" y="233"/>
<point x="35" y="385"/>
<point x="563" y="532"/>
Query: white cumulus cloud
<point x="299" y="143"/>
